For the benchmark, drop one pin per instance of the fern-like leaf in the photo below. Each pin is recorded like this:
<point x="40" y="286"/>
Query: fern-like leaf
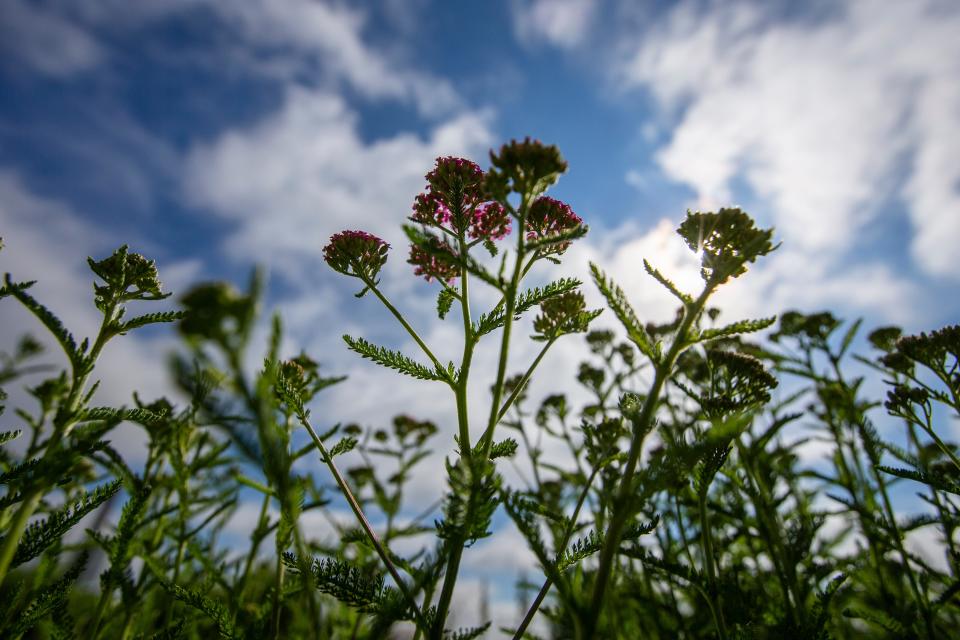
<point x="937" y="481"/>
<point x="108" y="414"/>
<point x="469" y="633"/>
<point x="685" y="299"/>
<point x="525" y="301"/>
<point x="211" y="608"/>
<point x="444" y="301"/>
<point x="504" y="449"/>
<point x="50" y="321"/>
<point x="130" y="517"/>
<point x="345" y="582"/>
<point x="397" y="361"/>
<point x="40" y="535"/>
<point x="617" y="301"/>
<point x="150" y="318"/>
<point x="736" y="328"/>
<point x="49" y="600"/>
<point x="878" y="618"/>
<point x="470" y="504"/>
<point x="343" y="446"/>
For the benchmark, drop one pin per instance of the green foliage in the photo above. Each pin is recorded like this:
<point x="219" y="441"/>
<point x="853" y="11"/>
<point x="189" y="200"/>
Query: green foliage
<point x="399" y="362"/>
<point x="617" y="301"/>
<point x="43" y="533"/>
<point x="726" y="241"/>
<point x="525" y="301"/>
<point x="677" y="500"/>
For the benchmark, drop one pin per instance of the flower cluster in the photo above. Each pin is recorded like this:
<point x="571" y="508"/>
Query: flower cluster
<point x="454" y="191"/>
<point x="490" y="222"/>
<point x="435" y="259"/>
<point x="524" y="167"/>
<point x="562" y="314"/>
<point x="549" y="218"/>
<point x="356" y="253"/>
<point x="454" y="201"/>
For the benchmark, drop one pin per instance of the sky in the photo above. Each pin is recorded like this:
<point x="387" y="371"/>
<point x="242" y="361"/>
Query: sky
<point x="215" y="136"/>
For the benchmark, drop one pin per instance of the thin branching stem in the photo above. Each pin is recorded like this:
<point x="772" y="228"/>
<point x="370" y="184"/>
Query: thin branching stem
<point x="403" y="322"/>
<point x="362" y="519"/>
<point x="622" y="510"/>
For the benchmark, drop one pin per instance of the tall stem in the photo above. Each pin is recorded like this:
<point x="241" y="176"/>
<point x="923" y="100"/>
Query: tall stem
<point x="403" y="322"/>
<point x="63" y="420"/>
<point x="622" y="512"/>
<point x="547" y="583"/>
<point x="362" y="519"/>
<point x="486" y="441"/>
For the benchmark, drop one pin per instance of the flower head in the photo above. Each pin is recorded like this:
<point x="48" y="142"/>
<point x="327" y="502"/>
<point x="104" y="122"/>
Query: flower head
<point x="454" y="190"/>
<point x="431" y="210"/>
<point x="356" y="253"/>
<point x="490" y="222"/>
<point x="562" y="314"/>
<point x="548" y="217"/>
<point x="452" y="177"/>
<point x="435" y="259"/>
<point x="524" y="167"/>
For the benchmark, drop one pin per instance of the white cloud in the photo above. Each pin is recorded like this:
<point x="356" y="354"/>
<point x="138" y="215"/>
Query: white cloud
<point x="46" y="42"/>
<point x="816" y="116"/>
<point x="287" y="38"/>
<point x="563" y="23"/>
<point x="304" y="173"/>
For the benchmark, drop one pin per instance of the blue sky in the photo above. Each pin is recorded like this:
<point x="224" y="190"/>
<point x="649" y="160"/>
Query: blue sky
<point x="216" y="135"/>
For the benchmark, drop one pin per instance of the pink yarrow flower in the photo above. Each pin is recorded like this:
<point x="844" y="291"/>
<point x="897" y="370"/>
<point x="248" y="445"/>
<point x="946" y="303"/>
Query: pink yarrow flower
<point x="439" y="262"/>
<point x="454" y="198"/>
<point x="356" y="253"/>
<point x="549" y="217"/>
<point x="490" y="222"/>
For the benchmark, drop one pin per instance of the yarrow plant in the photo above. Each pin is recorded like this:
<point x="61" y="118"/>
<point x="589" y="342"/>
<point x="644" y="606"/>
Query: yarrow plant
<point x="681" y="504"/>
<point x="463" y="207"/>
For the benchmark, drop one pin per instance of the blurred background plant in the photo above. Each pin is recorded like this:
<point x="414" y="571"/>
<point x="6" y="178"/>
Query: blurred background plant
<point x="681" y="506"/>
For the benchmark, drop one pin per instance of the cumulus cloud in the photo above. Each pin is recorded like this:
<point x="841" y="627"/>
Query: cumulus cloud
<point x="563" y="23"/>
<point x="817" y="117"/>
<point x="286" y="38"/>
<point x="304" y="172"/>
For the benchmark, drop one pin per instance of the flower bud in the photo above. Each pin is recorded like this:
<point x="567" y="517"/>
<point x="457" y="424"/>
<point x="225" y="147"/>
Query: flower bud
<point x="356" y="253"/>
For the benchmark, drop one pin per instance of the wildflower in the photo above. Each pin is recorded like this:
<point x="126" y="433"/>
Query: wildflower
<point x="431" y="210"/>
<point x="565" y="313"/>
<point x="454" y="191"/>
<point x="490" y="222"/>
<point x="525" y="167"/>
<point x="356" y="253"/>
<point x="548" y="218"/>
<point x="435" y="259"/>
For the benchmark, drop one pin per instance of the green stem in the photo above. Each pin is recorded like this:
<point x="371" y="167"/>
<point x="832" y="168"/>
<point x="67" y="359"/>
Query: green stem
<point x="621" y="512"/>
<point x="63" y="420"/>
<point x="403" y="322"/>
<point x="706" y="541"/>
<point x="523" y="382"/>
<point x="547" y="583"/>
<point x="362" y="519"/>
<point x="922" y="604"/>
<point x="486" y="441"/>
<point x="277" y="589"/>
<point x="463" y="420"/>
